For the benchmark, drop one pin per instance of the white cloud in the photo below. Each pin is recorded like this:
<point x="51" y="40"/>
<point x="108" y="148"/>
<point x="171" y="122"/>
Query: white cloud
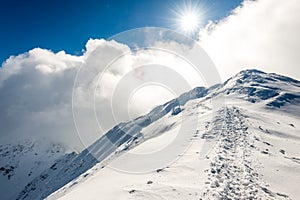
<point x="36" y="87"/>
<point x="262" y="34"/>
<point x="110" y="92"/>
<point x="36" y="90"/>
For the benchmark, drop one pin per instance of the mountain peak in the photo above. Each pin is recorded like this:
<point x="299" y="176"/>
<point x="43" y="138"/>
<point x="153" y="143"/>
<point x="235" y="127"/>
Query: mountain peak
<point x="268" y="90"/>
<point x="251" y="71"/>
<point x="248" y="75"/>
<point x="255" y="86"/>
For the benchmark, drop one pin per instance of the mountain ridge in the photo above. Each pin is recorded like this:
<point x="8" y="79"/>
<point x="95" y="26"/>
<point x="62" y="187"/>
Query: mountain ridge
<point x="271" y="90"/>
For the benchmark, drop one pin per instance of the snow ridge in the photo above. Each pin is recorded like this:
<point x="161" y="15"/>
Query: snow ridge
<point x="233" y="172"/>
<point x="72" y="165"/>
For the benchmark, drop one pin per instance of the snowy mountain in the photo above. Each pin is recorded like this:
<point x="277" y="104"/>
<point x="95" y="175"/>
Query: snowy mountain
<point x="244" y="146"/>
<point x="23" y="161"/>
<point x="125" y="135"/>
<point x="256" y="86"/>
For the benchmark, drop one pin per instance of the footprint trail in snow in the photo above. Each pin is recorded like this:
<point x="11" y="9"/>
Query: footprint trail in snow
<point x="234" y="171"/>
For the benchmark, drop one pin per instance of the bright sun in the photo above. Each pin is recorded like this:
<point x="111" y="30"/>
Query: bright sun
<point x="189" y="22"/>
<point x="188" y="16"/>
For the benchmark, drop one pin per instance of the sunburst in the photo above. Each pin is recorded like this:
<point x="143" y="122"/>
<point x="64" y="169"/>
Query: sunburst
<point x="189" y="16"/>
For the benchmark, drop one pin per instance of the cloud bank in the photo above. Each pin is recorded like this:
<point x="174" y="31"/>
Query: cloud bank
<point x="260" y="34"/>
<point x="36" y="87"/>
<point x="36" y="91"/>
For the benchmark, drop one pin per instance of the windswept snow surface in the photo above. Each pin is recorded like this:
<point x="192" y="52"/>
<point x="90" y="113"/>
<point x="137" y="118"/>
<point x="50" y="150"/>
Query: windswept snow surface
<point x="256" y="156"/>
<point x="243" y="139"/>
<point x="23" y="161"/>
<point x="248" y="150"/>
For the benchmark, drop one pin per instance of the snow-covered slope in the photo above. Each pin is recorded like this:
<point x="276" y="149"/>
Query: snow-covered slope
<point x="23" y="161"/>
<point x="245" y="163"/>
<point x="250" y="143"/>
<point x="256" y="86"/>
<point x="123" y="136"/>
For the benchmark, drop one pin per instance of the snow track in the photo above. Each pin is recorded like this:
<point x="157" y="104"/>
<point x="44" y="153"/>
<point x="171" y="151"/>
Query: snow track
<point x="247" y="150"/>
<point x="234" y="171"/>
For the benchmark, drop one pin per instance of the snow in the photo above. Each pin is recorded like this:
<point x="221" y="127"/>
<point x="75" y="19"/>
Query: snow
<point x="180" y="179"/>
<point x="25" y="160"/>
<point x="228" y="141"/>
<point x="244" y="170"/>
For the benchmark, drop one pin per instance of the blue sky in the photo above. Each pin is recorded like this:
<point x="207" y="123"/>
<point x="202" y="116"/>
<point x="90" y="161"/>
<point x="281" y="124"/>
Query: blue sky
<point x="68" y="24"/>
<point x="37" y="90"/>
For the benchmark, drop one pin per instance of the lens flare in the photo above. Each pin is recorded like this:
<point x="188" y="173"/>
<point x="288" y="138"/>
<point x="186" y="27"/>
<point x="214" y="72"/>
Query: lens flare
<point x="189" y="22"/>
<point x="188" y="17"/>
